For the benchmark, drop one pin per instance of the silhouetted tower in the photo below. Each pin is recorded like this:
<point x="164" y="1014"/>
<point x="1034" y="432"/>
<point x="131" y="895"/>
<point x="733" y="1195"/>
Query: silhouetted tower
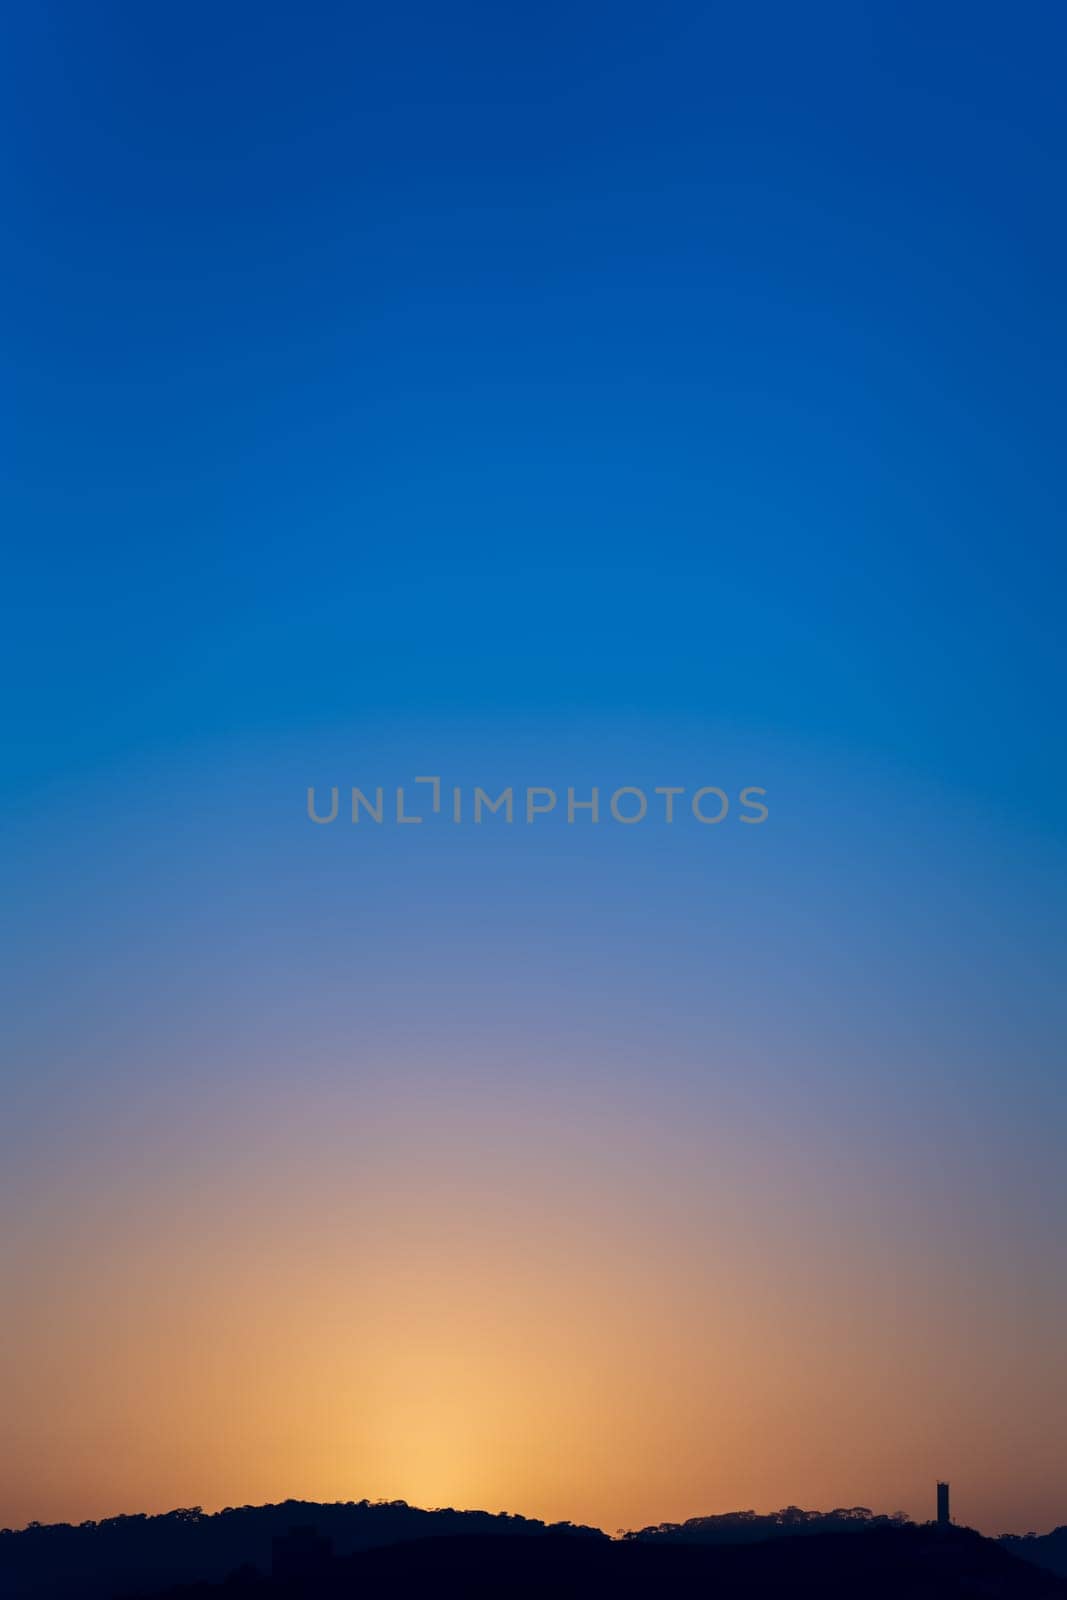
<point x="943" y="1518"/>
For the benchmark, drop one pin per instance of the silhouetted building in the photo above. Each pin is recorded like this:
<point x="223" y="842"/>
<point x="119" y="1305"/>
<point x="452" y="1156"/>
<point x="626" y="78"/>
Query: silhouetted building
<point x="300" y="1553"/>
<point x="943" y="1518"/>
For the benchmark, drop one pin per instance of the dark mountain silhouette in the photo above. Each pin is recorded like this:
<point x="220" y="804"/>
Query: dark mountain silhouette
<point x="125" y="1555"/>
<point x="748" y="1527"/>
<point x="304" y="1551"/>
<point x="880" y="1563"/>
<point x="1044" y="1549"/>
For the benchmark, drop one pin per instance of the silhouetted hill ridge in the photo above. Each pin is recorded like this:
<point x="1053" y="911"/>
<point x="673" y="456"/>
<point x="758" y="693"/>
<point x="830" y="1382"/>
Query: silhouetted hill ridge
<point x="1044" y="1549"/>
<point x="752" y="1527"/>
<point x="128" y="1554"/>
<point x="391" y="1548"/>
<point x="879" y="1563"/>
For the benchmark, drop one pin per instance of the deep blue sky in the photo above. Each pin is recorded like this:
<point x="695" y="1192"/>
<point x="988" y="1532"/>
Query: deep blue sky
<point x="573" y="393"/>
<point x="677" y="361"/>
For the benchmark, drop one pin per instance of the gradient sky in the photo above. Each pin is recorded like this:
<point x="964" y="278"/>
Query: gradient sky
<point x="558" y="395"/>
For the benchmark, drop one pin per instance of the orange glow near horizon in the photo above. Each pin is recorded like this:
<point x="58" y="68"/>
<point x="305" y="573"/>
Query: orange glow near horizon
<point x="526" y="1306"/>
